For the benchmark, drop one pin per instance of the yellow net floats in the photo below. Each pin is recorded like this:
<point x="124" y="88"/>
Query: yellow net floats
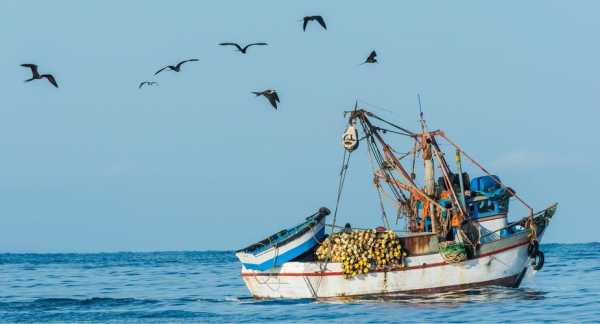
<point x="362" y="251"/>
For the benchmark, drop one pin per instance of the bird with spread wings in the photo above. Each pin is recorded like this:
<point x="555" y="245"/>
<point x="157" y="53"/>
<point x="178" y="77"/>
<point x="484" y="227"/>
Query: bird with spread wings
<point x="371" y="59"/>
<point x="147" y="83"/>
<point x="175" y="68"/>
<point x="271" y="95"/>
<point x="318" y="19"/>
<point x="37" y="76"/>
<point x="242" y="49"/>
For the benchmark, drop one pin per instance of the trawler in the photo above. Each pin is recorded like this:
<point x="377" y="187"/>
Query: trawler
<point x="455" y="229"/>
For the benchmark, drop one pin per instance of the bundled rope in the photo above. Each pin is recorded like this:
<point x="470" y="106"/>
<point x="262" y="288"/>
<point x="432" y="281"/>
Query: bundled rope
<point x="530" y="224"/>
<point x="362" y="251"/>
<point x="534" y="246"/>
<point x="453" y="252"/>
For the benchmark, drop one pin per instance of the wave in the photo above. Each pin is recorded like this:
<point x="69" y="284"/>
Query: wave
<point x="168" y="314"/>
<point x="147" y="316"/>
<point x="41" y="304"/>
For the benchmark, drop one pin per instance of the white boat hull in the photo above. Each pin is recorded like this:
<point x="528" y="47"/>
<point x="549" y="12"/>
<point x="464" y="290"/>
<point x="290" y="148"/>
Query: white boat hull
<point x="503" y="262"/>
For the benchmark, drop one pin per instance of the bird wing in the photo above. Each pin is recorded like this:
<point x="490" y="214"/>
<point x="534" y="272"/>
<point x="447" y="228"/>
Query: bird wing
<point x="33" y="67"/>
<point x="306" y="19"/>
<point x="142" y="84"/>
<point x="321" y="21"/>
<point x="233" y="44"/>
<point x="246" y="47"/>
<point x="181" y="63"/>
<point x="275" y="96"/>
<point x="157" y="72"/>
<point x="50" y="78"/>
<point x="372" y="55"/>
<point x="273" y="101"/>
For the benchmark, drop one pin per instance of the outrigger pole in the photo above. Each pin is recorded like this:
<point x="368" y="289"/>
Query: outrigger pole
<point x="361" y="114"/>
<point x="512" y="192"/>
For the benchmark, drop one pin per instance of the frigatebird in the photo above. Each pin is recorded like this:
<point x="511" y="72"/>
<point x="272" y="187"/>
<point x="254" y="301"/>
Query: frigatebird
<point x="175" y="68"/>
<point x="242" y="49"/>
<point x="319" y="19"/>
<point x="150" y="83"/>
<point x="371" y="58"/>
<point x="271" y="95"/>
<point x="37" y="76"/>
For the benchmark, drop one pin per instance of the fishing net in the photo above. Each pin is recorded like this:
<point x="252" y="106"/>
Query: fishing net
<point x="362" y="251"/>
<point x="453" y="252"/>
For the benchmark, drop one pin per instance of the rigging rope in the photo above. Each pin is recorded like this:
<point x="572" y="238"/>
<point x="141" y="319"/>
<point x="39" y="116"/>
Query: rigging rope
<point x="376" y="106"/>
<point x="383" y="164"/>
<point x="384" y="217"/>
<point x="343" y="172"/>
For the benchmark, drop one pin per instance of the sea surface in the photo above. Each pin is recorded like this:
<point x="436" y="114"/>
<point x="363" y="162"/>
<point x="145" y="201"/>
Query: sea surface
<point x="206" y="287"/>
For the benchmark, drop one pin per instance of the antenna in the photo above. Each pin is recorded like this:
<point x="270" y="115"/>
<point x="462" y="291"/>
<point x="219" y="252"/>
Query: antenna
<point x="351" y="113"/>
<point x="422" y="120"/>
<point x="420" y="110"/>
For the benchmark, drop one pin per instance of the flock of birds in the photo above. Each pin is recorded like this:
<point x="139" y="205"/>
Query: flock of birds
<point x="270" y="94"/>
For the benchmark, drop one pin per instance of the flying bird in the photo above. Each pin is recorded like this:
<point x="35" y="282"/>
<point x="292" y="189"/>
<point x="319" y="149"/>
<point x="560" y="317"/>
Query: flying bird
<point x="271" y="95"/>
<point x="242" y="49"/>
<point x="175" y="68"/>
<point x="150" y="83"/>
<point x="37" y="76"/>
<point x="319" y="19"/>
<point x="371" y="58"/>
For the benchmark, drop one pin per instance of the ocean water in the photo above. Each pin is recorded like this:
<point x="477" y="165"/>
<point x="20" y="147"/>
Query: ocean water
<point x="206" y="287"/>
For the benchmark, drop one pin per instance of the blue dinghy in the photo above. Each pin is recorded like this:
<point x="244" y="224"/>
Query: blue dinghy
<point x="286" y="244"/>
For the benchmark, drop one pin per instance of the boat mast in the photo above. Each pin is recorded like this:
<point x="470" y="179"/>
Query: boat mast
<point x="429" y="169"/>
<point x="430" y="142"/>
<point x="427" y="157"/>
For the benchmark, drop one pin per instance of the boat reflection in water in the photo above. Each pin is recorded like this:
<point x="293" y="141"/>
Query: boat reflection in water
<point x="492" y="294"/>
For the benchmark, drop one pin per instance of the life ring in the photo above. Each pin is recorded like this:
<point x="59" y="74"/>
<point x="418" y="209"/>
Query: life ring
<point x="538" y="261"/>
<point x="533" y="248"/>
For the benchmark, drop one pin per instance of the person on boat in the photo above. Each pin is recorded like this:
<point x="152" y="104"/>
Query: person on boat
<point x="347" y="228"/>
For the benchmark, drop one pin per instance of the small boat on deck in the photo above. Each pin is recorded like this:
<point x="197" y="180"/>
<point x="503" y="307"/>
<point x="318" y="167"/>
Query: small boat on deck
<point x="450" y="233"/>
<point x="285" y="245"/>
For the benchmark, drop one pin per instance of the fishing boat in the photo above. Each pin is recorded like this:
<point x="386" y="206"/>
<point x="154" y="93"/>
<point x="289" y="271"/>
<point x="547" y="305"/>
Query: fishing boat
<point x="451" y="232"/>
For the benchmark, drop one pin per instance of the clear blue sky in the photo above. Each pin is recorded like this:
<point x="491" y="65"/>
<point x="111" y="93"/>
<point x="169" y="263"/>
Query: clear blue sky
<point x="199" y="163"/>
